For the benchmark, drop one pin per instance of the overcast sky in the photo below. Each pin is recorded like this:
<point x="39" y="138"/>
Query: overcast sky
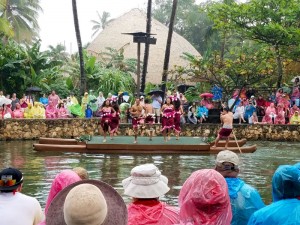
<point x="57" y="25"/>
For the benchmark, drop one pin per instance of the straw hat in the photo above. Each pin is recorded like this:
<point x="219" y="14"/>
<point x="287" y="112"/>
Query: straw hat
<point x="89" y="202"/>
<point x="145" y="181"/>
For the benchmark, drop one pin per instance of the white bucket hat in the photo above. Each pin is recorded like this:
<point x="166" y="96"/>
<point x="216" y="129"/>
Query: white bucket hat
<point x="145" y="181"/>
<point x="227" y="156"/>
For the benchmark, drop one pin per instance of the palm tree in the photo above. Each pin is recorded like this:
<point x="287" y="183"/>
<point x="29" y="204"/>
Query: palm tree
<point x="168" y="46"/>
<point x="80" y="52"/>
<point x="101" y="23"/>
<point x="22" y="16"/>
<point x="147" y="46"/>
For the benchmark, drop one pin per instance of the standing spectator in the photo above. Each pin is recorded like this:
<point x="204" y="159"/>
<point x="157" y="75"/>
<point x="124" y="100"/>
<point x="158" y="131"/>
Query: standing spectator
<point x="100" y="100"/>
<point x="249" y="109"/>
<point x="15" y="207"/>
<point x="84" y="101"/>
<point x="204" y="199"/>
<point x="14" y="101"/>
<point x="54" y="98"/>
<point x="1" y="94"/>
<point x="192" y="113"/>
<point x="244" y="199"/>
<point x="156" y="103"/>
<point x="286" y="204"/>
<point x="145" y="185"/>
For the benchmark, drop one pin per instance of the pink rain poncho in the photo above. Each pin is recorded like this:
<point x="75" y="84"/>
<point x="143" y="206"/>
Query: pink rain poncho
<point x="62" y="180"/>
<point x="152" y="212"/>
<point x="204" y="199"/>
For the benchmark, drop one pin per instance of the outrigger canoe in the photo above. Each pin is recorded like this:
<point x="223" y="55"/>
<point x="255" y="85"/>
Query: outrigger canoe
<point x="124" y="145"/>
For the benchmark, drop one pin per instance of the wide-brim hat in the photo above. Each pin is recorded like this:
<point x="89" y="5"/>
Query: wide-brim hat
<point x="116" y="207"/>
<point x="145" y="181"/>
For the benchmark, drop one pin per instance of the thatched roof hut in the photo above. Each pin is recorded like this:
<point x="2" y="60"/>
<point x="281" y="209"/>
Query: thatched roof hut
<point x="135" y="21"/>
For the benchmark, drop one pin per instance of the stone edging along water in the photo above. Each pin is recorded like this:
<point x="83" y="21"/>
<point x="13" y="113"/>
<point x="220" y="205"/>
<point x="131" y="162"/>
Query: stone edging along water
<point x="30" y="129"/>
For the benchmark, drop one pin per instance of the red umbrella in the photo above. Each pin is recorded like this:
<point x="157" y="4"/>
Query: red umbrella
<point x="207" y="95"/>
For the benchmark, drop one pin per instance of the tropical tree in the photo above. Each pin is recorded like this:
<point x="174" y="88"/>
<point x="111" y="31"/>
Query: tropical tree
<point x="273" y="22"/>
<point x="80" y="51"/>
<point x="168" y="47"/>
<point x="22" y="16"/>
<point x="101" y="22"/>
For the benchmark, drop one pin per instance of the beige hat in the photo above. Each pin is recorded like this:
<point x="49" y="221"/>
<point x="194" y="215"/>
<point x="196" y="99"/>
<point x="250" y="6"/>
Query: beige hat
<point x="145" y="181"/>
<point x="227" y="156"/>
<point x="87" y="202"/>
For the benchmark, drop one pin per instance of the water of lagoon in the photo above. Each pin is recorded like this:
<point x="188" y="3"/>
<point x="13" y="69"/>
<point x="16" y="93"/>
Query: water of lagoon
<point x="39" y="168"/>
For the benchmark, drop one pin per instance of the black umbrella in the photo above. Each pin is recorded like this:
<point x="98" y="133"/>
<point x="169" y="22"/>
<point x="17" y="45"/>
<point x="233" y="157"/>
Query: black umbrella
<point x="33" y="89"/>
<point x="157" y="91"/>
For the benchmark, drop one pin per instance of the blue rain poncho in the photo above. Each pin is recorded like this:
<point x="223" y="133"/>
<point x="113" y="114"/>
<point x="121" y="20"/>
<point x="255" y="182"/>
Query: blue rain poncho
<point x="202" y="111"/>
<point x="244" y="199"/>
<point x="285" y="209"/>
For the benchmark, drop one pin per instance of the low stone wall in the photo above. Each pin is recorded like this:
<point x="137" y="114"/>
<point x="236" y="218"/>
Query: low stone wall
<point x="28" y="129"/>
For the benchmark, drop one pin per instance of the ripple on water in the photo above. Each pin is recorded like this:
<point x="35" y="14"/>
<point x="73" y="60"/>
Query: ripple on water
<point x="40" y="168"/>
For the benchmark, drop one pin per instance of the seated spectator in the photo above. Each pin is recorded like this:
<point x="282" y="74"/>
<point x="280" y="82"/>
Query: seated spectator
<point x="202" y="113"/>
<point x="18" y="112"/>
<point x="244" y="199"/>
<point x="62" y="112"/>
<point x="293" y="110"/>
<point x="88" y="202"/>
<point x="88" y="112"/>
<point x="15" y="207"/>
<point x="207" y="103"/>
<point x="145" y="186"/>
<point x="273" y="97"/>
<point x="62" y="180"/>
<point x="253" y="119"/>
<point x="295" y="95"/>
<point x="249" y="109"/>
<point x="192" y="113"/>
<point x="295" y="119"/>
<point x="261" y="106"/>
<point x="271" y="114"/>
<point x="239" y="113"/>
<point x="38" y="111"/>
<point x="204" y="199"/>
<point x="14" y="101"/>
<point x="44" y="100"/>
<point x="280" y="118"/>
<point x="7" y="112"/>
<point x="28" y="112"/>
<point x="286" y="204"/>
<point x="51" y="111"/>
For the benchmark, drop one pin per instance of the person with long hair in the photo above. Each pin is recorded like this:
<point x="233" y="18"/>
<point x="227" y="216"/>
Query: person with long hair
<point x="107" y="111"/>
<point x="178" y="112"/>
<point x="115" y="119"/>
<point x="167" y="118"/>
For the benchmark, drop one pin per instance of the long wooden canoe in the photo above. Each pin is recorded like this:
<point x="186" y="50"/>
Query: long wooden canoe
<point x="124" y="145"/>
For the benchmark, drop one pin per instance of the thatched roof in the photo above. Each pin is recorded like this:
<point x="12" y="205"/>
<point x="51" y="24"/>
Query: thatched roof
<point x="135" y="21"/>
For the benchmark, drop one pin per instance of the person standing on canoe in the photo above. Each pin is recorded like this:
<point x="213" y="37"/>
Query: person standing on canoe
<point x="244" y="199"/>
<point x="136" y="114"/>
<point x="225" y="131"/>
<point x="107" y="111"/>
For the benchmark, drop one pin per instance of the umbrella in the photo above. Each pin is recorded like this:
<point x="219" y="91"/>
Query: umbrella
<point x="285" y="90"/>
<point x="293" y="80"/>
<point x="207" y="95"/>
<point x="33" y="89"/>
<point x="5" y="101"/>
<point x="157" y="91"/>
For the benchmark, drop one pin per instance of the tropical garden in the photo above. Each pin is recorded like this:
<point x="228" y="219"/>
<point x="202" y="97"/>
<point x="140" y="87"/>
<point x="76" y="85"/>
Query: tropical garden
<point x="255" y="43"/>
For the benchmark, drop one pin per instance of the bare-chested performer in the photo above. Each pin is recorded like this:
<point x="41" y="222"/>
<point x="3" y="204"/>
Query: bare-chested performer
<point x="149" y="117"/>
<point x="136" y="114"/>
<point x="225" y="131"/>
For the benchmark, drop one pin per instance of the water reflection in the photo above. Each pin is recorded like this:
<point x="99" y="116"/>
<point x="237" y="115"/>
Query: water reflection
<point x="40" y="168"/>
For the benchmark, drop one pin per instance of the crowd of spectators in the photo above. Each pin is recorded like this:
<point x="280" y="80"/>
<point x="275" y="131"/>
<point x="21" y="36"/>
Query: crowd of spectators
<point x="250" y="106"/>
